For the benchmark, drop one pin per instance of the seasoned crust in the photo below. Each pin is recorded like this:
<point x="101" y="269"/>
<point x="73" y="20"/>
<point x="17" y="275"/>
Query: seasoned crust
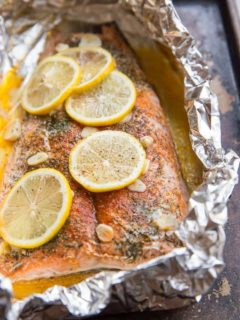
<point x="130" y="214"/>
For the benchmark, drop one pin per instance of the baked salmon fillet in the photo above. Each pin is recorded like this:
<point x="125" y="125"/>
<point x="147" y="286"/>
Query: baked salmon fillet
<point x="133" y="215"/>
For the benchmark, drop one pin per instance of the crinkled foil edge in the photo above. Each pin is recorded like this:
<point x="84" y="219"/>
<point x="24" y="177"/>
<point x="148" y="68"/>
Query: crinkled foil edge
<point x="181" y="277"/>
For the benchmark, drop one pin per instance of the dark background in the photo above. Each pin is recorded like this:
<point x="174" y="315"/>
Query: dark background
<point x="210" y="24"/>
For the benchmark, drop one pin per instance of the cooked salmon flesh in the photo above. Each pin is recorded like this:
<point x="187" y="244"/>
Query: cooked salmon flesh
<point x="132" y="215"/>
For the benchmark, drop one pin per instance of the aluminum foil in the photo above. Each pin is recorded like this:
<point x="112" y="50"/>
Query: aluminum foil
<point x="181" y="277"/>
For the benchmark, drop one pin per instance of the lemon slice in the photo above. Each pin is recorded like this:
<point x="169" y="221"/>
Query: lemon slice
<point x="105" y="104"/>
<point x="107" y="160"/>
<point x="96" y="64"/>
<point x="35" y="209"/>
<point x="51" y="83"/>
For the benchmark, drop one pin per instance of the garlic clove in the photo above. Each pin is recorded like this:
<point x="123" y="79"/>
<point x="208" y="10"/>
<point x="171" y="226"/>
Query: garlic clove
<point x="13" y="130"/>
<point x="104" y="232"/>
<point x="137" y="186"/>
<point x="146" y="141"/>
<point x="146" y="167"/>
<point x="90" y="40"/>
<point x="37" y="158"/>
<point x="165" y="221"/>
<point x="88" y="131"/>
<point x="61" y="46"/>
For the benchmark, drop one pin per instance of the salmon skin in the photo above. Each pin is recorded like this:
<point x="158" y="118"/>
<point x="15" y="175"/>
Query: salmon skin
<point x="137" y="237"/>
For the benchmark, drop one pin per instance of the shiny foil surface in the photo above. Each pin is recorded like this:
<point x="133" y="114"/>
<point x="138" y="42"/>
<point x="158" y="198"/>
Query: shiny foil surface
<point x="181" y="277"/>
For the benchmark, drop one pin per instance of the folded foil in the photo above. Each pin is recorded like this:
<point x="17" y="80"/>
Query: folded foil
<point x="181" y="277"/>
